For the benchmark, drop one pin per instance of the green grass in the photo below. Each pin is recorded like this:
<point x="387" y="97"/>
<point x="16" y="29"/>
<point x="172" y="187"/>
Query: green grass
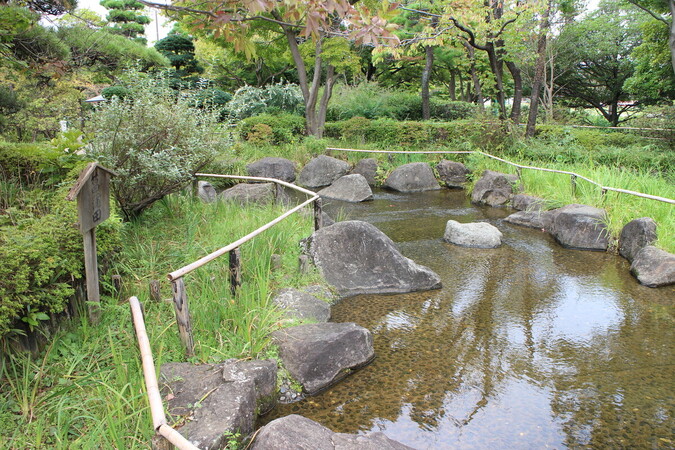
<point x="85" y="390"/>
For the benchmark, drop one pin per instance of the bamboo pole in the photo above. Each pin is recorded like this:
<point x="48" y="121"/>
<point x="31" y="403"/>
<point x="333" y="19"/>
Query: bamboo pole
<point x="151" y="386"/>
<point x="183" y="321"/>
<point x="271" y="180"/>
<point x="210" y="257"/>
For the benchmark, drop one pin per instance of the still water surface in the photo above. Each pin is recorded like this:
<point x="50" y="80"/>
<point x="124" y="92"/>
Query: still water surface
<point x="526" y="346"/>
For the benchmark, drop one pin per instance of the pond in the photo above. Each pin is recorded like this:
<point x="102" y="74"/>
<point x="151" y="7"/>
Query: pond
<point x="528" y="345"/>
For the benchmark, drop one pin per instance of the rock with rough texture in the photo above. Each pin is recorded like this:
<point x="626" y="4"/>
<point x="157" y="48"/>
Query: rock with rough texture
<point x="654" y="267"/>
<point x="412" y="177"/>
<point x="523" y="202"/>
<point x="636" y="235"/>
<point x="531" y="219"/>
<point x="218" y="398"/>
<point x="579" y="226"/>
<point x="453" y="174"/>
<point x="357" y="258"/>
<point x="319" y="355"/>
<point x="273" y="167"/>
<point x="322" y="171"/>
<point x="350" y="188"/>
<point x="493" y="188"/>
<point x="243" y="193"/>
<point x="477" y="234"/>
<point x="302" y="305"/>
<point x="368" y="168"/>
<point x="297" y="432"/>
<point x="206" y="192"/>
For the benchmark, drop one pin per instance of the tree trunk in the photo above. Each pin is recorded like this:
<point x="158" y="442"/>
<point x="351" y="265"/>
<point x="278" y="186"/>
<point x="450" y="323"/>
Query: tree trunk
<point x="453" y="84"/>
<point x="539" y="70"/>
<point x="474" y="76"/>
<point x="671" y="39"/>
<point x="426" y="77"/>
<point x="517" y="91"/>
<point x="496" y="64"/>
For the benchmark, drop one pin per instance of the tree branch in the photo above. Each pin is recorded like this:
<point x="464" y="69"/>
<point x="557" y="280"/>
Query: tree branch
<point x="648" y="11"/>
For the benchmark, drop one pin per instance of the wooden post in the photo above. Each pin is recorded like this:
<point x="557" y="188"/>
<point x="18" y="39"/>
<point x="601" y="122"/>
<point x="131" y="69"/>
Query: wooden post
<point x="91" y="273"/>
<point x="519" y="172"/>
<point x="117" y="285"/>
<point x="93" y="207"/>
<point x="235" y="270"/>
<point x="155" y="294"/>
<point x="573" y="180"/>
<point x="180" y="305"/>
<point x="303" y="264"/>
<point x="318" y="216"/>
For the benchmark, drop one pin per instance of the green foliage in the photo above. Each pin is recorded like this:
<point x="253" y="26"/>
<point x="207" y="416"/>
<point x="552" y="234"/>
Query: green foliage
<point x="249" y="101"/>
<point x="115" y="91"/>
<point x="126" y="18"/>
<point x="273" y="129"/>
<point x="154" y="140"/>
<point x="180" y="51"/>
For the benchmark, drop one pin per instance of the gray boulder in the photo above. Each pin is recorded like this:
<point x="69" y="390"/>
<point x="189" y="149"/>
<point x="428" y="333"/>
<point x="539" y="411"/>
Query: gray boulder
<point x="453" y="174"/>
<point x="322" y="171"/>
<point x="302" y="305"/>
<point x="531" y="219"/>
<point x="493" y="188"/>
<point x="579" y="226"/>
<point x="349" y="188"/>
<point x="654" y="267"/>
<point x="413" y="177"/>
<point x="243" y="193"/>
<point x="319" y="355"/>
<point x="297" y="432"/>
<point x="206" y="192"/>
<point x="218" y="398"/>
<point x="477" y="234"/>
<point x="636" y="235"/>
<point x="523" y="202"/>
<point x="357" y="258"/>
<point x="368" y="168"/>
<point x="273" y="167"/>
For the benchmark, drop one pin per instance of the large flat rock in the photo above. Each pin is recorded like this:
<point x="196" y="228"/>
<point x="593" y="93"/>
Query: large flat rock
<point x="322" y="171"/>
<point x="493" y="188"/>
<point x="579" y="226"/>
<point x="349" y="188"/>
<point x="413" y="177"/>
<point x="357" y="258"/>
<point x="476" y="234"/>
<point x="319" y="355"/>
<point x="273" y="167"/>
<point x="299" y="433"/>
<point x="654" y="267"/>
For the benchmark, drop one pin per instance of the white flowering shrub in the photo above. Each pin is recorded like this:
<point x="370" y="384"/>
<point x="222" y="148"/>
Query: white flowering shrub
<point x="250" y="101"/>
<point x="154" y="139"/>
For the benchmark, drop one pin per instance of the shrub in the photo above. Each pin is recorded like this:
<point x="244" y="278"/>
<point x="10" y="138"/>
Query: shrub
<point x="114" y="91"/>
<point x="285" y="128"/>
<point x="448" y="110"/>
<point x="153" y="140"/>
<point x="250" y="101"/>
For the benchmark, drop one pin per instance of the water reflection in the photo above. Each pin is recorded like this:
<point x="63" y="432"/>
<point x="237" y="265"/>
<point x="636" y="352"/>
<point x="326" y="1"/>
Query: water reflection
<point x="528" y="345"/>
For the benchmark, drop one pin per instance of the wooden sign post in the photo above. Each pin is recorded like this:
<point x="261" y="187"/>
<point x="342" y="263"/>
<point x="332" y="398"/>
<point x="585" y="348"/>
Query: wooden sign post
<point x="93" y="207"/>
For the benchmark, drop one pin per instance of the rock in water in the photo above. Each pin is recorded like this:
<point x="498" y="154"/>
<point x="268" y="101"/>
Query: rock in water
<point x="478" y="234"/>
<point x="579" y="226"/>
<point x="453" y="174"/>
<point x="413" y="177"/>
<point x="249" y="193"/>
<point x="322" y="171"/>
<point x="321" y="354"/>
<point x="297" y="432"/>
<point x="654" y="267"/>
<point x="494" y="188"/>
<point x="357" y="258"/>
<point x="206" y="192"/>
<point x="350" y="188"/>
<point x="636" y="235"/>
<point x="368" y="168"/>
<point x="273" y="167"/>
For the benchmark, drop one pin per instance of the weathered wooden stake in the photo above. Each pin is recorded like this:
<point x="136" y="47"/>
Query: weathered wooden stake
<point x="235" y="270"/>
<point x="155" y="294"/>
<point x="91" y="273"/>
<point x="519" y="171"/>
<point x="318" y="214"/>
<point x="180" y="305"/>
<point x="573" y="180"/>
<point x="117" y="285"/>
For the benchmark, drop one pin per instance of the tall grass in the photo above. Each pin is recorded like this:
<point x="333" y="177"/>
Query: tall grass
<point x="86" y="389"/>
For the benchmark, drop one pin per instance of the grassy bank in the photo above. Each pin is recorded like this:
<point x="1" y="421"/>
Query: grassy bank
<point x="85" y="390"/>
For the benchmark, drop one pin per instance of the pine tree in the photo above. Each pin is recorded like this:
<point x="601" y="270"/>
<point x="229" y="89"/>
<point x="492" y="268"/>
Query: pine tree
<point x="127" y="18"/>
